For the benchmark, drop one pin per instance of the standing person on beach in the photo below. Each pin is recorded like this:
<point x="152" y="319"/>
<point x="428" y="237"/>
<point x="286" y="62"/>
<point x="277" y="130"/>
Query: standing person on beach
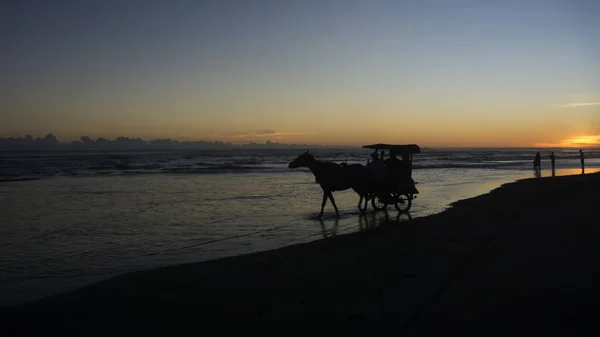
<point x="582" y="159"/>
<point x="537" y="164"/>
<point x="552" y="160"/>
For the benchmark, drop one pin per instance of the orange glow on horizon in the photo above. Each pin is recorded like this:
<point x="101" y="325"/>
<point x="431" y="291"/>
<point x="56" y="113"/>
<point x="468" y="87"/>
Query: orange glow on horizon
<point x="579" y="141"/>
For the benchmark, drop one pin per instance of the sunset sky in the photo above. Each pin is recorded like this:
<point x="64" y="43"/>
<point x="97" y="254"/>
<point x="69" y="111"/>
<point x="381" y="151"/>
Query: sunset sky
<point x="344" y="72"/>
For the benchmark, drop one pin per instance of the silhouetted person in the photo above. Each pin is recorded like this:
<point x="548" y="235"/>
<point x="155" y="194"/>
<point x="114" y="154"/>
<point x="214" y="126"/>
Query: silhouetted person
<point x="393" y="167"/>
<point x="375" y="156"/>
<point x="393" y="160"/>
<point x="537" y="164"/>
<point x="552" y="162"/>
<point x="582" y="160"/>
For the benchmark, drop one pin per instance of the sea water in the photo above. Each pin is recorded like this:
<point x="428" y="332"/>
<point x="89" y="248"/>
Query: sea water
<point x="69" y="218"/>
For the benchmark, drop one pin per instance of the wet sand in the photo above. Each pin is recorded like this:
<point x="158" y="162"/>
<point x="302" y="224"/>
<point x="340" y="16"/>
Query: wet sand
<point x="521" y="260"/>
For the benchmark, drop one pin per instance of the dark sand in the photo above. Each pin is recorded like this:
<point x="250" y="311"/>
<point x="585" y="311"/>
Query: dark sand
<point x="521" y="260"/>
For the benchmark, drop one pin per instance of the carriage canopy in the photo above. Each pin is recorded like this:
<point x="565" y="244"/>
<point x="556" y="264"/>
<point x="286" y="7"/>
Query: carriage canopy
<point x="399" y="149"/>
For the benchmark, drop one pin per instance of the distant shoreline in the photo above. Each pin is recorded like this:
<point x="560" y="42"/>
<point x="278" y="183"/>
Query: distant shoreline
<point x="67" y="147"/>
<point x="51" y="143"/>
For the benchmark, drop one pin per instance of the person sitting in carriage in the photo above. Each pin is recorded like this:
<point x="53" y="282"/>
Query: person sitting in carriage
<point x="393" y="161"/>
<point x="394" y="167"/>
<point x="374" y="156"/>
<point x="376" y="162"/>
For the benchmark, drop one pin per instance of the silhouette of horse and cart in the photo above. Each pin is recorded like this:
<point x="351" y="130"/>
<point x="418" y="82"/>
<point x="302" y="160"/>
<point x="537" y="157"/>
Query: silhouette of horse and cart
<point x="383" y="182"/>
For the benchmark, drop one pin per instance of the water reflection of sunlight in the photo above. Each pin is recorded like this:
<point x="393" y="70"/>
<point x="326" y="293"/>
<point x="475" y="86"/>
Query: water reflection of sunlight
<point x="572" y="171"/>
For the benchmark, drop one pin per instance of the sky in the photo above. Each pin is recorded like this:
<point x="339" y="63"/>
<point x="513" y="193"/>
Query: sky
<point x="334" y="72"/>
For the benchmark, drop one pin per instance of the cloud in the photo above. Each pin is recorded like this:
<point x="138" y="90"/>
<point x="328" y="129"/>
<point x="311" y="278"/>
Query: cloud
<point x="577" y="105"/>
<point x="260" y="133"/>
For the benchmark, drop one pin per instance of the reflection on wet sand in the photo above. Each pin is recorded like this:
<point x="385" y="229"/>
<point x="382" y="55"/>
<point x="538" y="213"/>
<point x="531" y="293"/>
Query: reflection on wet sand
<point x="575" y="171"/>
<point x="403" y="217"/>
<point x="373" y="220"/>
<point x="366" y="222"/>
<point x="329" y="232"/>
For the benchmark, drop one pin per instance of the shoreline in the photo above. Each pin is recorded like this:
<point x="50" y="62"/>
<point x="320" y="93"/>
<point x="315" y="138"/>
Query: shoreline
<point x="329" y="228"/>
<point x="369" y="281"/>
<point x="34" y="289"/>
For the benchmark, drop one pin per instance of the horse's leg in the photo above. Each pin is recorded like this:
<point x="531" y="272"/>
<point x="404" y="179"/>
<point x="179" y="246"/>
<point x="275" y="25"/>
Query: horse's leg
<point x="333" y="202"/>
<point x="366" y="204"/>
<point x="323" y="203"/>
<point x="360" y="208"/>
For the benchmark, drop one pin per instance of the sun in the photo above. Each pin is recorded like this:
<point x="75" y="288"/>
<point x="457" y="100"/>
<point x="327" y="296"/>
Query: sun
<point x="578" y="141"/>
<point x="581" y="141"/>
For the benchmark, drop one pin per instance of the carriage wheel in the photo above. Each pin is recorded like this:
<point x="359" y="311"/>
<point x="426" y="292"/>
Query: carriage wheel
<point x="403" y="203"/>
<point x="378" y="204"/>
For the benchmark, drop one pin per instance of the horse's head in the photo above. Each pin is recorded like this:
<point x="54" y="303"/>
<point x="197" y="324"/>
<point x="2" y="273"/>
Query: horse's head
<point x="303" y="160"/>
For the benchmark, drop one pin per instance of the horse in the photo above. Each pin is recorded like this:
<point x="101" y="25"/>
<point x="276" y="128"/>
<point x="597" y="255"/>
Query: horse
<point x="334" y="177"/>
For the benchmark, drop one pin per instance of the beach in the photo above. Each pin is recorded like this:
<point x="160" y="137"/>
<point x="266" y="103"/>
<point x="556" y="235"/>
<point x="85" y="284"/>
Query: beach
<point x="520" y="260"/>
<point x="199" y="168"/>
<point x="87" y="216"/>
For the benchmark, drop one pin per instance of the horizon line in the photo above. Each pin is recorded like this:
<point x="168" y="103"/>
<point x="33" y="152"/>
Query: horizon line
<point x="269" y="143"/>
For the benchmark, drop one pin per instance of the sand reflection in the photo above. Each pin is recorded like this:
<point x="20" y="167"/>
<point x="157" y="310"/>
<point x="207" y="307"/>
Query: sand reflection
<point x="329" y="231"/>
<point x="374" y="220"/>
<point x="330" y="227"/>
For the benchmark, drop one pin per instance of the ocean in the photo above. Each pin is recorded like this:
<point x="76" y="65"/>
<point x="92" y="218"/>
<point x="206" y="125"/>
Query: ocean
<point x="69" y="218"/>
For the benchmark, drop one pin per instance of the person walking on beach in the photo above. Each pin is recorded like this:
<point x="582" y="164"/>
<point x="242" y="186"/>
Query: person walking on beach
<point x="582" y="159"/>
<point x="552" y="160"/>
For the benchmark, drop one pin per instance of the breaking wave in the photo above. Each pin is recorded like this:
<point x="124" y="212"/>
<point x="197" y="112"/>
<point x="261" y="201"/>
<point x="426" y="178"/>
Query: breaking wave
<point x="18" y="166"/>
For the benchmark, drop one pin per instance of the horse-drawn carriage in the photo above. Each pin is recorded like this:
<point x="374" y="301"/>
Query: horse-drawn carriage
<point x="391" y="179"/>
<point x="383" y="181"/>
